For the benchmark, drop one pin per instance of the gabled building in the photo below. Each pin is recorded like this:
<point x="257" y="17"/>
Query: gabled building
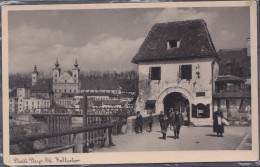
<point x="178" y="67"/>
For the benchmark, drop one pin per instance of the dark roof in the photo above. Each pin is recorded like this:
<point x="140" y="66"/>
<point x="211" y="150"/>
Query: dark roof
<point x="99" y="84"/>
<point x="195" y="42"/>
<point x="111" y="102"/>
<point x="98" y="94"/>
<point x="238" y="94"/>
<point x="234" y="62"/>
<point x="42" y="86"/>
<point x="229" y="78"/>
<point x="13" y="93"/>
<point x="19" y="83"/>
<point x="97" y="103"/>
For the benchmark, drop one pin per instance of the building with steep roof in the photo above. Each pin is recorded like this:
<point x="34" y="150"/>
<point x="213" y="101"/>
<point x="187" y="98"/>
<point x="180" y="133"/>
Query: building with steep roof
<point x="178" y="66"/>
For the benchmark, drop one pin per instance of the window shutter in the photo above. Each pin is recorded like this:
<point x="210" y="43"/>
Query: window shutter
<point x="180" y="72"/>
<point x="194" y="111"/>
<point x="189" y="72"/>
<point x="150" y="73"/>
<point x="207" y="111"/>
<point x="160" y="73"/>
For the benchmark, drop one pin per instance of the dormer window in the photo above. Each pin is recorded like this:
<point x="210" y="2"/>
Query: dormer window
<point x="171" y="44"/>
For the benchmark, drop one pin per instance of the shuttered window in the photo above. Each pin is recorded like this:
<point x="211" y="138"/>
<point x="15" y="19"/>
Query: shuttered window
<point x="155" y="73"/>
<point x="185" y="72"/>
<point x="201" y="111"/>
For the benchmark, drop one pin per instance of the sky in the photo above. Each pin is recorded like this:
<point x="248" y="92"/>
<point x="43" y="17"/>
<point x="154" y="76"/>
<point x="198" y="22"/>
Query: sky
<point x="107" y="39"/>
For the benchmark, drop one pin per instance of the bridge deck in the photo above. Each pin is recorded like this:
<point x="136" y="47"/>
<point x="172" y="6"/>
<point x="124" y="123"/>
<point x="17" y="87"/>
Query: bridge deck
<point x="191" y="138"/>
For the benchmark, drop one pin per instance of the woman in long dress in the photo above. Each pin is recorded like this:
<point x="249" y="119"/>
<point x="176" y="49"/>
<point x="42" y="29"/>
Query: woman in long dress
<point x="218" y="126"/>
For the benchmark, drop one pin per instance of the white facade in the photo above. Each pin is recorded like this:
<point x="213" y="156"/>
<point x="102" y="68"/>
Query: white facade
<point x="32" y="104"/>
<point x="197" y="90"/>
<point x="66" y="82"/>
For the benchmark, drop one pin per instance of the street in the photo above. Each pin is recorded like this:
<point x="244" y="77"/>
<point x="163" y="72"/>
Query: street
<point x="191" y="138"/>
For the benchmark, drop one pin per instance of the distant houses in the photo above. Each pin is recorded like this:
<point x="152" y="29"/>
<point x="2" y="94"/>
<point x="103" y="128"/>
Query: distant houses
<point x="67" y="89"/>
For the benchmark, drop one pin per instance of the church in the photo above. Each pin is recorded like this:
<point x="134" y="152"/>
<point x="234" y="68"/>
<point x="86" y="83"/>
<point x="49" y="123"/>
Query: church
<point x="178" y="66"/>
<point x="65" y="82"/>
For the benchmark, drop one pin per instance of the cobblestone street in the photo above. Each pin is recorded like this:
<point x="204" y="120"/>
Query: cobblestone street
<point x="191" y="138"/>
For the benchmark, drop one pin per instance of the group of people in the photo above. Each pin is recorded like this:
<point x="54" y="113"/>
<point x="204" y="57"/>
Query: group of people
<point x="175" y="120"/>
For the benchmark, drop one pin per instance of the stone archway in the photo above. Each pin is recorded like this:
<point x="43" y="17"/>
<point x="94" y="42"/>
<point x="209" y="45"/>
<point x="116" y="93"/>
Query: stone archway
<point x="160" y="101"/>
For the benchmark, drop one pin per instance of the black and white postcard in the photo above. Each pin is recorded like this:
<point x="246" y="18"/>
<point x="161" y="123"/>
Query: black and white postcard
<point x="130" y="83"/>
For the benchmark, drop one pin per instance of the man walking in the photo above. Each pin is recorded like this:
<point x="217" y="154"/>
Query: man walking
<point x="176" y="121"/>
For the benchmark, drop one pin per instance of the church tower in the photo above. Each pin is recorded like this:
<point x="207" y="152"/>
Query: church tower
<point x="35" y="76"/>
<point x="75" y="72"/>
<point x="56" y="72"/>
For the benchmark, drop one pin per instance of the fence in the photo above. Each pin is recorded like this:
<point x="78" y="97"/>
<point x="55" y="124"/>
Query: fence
<point x="78" y="142"/>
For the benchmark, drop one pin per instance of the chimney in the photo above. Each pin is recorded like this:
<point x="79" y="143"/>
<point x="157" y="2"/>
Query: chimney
<point x="248" y="46"/>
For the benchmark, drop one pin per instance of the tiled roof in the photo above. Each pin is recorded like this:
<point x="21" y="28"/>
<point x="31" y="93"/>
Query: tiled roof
<point x="195" y="42"/>
<point x="42" y="86"/>
<point x="235" y="62"/>
<point x="99" y="84"/>
<point x="238" y="94"/>
<point x="229" y="78"/>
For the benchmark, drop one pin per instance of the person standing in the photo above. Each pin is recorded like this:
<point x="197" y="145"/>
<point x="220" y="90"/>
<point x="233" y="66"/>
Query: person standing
<point x="176" y="121"/>
<point x="138" y="122"/>
<point x="217" y="123"/>
<point x="150" y="121"/>
<point x="160" y="118"/>
<point x="164" y="126"/>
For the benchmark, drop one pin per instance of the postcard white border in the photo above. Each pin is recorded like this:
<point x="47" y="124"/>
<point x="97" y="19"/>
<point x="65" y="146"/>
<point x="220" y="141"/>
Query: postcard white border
<point x="138" y="157"/>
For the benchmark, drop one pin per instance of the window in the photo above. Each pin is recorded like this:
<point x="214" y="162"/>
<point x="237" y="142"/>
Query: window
<point x="173" y="44"/>
<point x="75" y="80"/>
<point x="65" y="81"/>
<point x="75" y="75"/>
<point x="200" y="111"/>
<point x="155" y="73"/>
<point x="55" y="80"/>
<point x="185" y="72"/>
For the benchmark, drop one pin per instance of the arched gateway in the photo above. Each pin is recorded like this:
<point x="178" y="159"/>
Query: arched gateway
<point x="177" y="98"/>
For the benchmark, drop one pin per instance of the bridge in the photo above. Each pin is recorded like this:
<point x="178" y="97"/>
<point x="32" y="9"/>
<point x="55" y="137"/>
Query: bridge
<point x="97" y="127"/>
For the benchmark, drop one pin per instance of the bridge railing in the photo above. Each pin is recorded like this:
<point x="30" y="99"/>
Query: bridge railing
<point x="79" y="138"/>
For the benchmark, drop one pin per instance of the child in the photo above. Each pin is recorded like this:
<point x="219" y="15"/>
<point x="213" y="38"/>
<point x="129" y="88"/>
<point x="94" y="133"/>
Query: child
<point x="165" y="124"/>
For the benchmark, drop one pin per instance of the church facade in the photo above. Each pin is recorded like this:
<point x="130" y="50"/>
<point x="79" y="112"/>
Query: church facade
<point x="65" y="82"/>
<point x="178" y="67"/>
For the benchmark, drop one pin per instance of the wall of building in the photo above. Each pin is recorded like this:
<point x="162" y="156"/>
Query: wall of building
<point x="31" y="104"/>
<point x="170" y="82"/>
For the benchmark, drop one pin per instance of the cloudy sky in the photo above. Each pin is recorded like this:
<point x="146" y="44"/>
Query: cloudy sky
<point x="107" y="39"/>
